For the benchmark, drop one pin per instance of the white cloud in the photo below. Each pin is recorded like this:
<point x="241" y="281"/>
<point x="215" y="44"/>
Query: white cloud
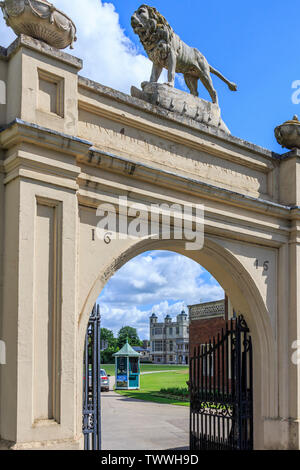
<point x="109" y="56"/>
<point x="7" y="35"/>
<point x="160" y="282"/>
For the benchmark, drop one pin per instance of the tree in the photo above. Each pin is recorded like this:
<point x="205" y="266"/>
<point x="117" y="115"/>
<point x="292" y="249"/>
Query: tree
<point x="107" y="355"/>
<point x="127" y="332"/>
<point x="107" y="336"/>
<point x="108" y="340"/>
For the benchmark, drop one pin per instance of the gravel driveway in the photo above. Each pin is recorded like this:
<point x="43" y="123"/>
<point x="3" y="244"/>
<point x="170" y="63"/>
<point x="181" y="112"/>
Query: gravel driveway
<point x="129" y="424"/>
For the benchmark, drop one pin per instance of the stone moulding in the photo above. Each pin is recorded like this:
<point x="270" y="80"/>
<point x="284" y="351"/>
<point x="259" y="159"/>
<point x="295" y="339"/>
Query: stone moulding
<point x="40" y="20"/>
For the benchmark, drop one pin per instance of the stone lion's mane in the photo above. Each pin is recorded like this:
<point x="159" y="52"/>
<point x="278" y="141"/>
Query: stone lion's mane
<point x="158" y="37"/>
<point x="160" y="20"/>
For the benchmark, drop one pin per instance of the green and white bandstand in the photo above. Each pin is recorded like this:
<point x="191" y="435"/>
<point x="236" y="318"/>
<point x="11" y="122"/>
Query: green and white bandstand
<point x="127" y="362"/>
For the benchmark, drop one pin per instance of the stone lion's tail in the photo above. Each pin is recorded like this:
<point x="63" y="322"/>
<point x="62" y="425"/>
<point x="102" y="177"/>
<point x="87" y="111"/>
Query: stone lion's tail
<point x="232" y="86"/>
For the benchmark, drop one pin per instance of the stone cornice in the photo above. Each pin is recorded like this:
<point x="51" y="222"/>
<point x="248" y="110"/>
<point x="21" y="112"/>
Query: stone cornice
<point x="42" y="47"/>
<point x="181" y="137"/>
<point x="20" y="131"/>
<point x="295" y="230"/>
<point x="24" y="165"/>
<point x="295" y="153"/>
<point x="175" y="181"/>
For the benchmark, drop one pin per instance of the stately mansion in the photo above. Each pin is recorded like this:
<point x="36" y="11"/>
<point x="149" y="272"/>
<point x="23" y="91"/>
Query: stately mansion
<point x="169" y="340"/>
<point x="172" y="342"/>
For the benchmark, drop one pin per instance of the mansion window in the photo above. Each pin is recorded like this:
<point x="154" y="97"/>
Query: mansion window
<point x="157" y="331"/>
<point x="157" y="346"/>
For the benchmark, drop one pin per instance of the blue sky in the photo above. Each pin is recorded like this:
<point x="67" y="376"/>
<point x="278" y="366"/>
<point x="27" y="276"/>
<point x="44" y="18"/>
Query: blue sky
<point x="156" y="281"/>
<point x="255" y="44"/>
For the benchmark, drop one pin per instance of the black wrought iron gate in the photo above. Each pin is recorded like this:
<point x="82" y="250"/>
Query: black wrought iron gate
<point x="221" y="388"/>
<point x="91" y="425"/>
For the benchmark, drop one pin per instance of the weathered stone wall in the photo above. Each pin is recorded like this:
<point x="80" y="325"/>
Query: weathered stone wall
<point x="167" y="141"/>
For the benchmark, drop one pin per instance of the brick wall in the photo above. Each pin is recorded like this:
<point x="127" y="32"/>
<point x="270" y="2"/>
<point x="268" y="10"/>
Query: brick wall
<point x="201" y="331"/>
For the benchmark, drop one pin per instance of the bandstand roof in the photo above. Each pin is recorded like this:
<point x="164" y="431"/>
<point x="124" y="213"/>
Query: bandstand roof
<point x="127" y="351"/>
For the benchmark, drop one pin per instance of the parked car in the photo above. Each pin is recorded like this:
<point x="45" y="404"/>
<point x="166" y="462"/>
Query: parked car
<point x="104" y="379"/>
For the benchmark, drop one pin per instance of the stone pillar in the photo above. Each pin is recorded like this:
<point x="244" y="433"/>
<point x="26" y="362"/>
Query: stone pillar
<point x="39" y="321"/>
<point x="289" y="177"/>
<point x="289" y="372"/>
<point x="39" y="306"/>
<point x="294" y="334"/>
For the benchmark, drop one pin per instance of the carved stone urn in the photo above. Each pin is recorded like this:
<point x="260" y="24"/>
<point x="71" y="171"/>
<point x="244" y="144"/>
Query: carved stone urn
<point x="288" y="134"/>
<point x="40" y="20"/>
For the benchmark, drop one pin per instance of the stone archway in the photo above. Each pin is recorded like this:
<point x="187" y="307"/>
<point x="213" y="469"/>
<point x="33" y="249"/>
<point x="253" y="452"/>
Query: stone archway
<point x="56" y="170"/>
<point x="245" y="297"/>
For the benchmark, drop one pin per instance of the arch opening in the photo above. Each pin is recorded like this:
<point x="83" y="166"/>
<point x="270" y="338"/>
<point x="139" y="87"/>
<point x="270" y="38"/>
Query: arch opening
<point x="245" y="299"/>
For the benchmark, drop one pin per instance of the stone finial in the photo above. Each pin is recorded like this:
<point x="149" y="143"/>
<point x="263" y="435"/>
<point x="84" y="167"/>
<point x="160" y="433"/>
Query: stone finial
<point x="288" y="134"/>
<point x="40" y="20"/>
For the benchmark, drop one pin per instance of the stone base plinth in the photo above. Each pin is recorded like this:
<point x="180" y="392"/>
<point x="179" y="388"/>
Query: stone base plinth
<point x="60" y="444"/>
<point x="180" y="102"/>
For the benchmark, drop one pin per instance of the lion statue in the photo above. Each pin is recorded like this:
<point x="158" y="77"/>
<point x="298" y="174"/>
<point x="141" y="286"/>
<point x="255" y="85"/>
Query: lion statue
<point x="166" y="50"/>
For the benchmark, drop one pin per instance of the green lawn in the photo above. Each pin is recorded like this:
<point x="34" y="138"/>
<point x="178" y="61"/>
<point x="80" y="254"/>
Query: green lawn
<point x="110" y="368"/>
<point x="151" y="384"/>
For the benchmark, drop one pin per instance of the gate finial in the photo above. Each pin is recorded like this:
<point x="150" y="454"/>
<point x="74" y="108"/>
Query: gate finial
<point x="40" y="20"/>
